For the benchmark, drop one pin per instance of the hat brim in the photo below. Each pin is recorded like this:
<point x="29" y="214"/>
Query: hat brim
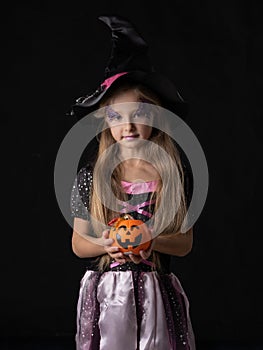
<point x="158" y="83"/>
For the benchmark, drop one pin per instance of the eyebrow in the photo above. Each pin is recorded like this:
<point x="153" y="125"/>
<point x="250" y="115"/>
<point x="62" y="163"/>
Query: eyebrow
<point x="142" y="108"/>
<point x="110" y="112"/>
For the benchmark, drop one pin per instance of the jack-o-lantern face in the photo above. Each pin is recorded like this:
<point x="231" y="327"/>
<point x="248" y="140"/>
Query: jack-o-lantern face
<point x="130" y="235"/>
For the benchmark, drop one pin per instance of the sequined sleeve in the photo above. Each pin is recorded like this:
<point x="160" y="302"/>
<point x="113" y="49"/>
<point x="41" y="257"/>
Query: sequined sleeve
<point x="81" y="192"/>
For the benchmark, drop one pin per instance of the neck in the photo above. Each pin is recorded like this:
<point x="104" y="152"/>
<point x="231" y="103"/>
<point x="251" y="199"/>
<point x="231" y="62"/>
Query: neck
<point x="132" y="154"/>
<point x="134" y="162"/>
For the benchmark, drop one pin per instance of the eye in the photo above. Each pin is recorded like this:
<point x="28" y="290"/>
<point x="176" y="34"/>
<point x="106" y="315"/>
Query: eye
<point x="137" y="115"/>
<point x="112" y="116"/>
<point x="143" y="111"/>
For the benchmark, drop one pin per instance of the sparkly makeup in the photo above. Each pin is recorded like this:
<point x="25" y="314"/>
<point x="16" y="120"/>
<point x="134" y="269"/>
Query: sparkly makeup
<point x="111" y="114"/>
<point x="143" y="110"/>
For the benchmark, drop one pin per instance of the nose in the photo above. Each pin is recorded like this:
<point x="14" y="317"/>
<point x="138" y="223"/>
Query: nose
<point x="128" y="125"/>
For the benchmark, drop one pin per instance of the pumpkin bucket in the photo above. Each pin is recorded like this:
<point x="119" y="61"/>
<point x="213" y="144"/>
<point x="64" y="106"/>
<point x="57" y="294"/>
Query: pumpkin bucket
<point x="130" y="235"/>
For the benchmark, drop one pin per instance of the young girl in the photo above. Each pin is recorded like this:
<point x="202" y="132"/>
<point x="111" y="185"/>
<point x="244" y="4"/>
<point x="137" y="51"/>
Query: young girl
<point x="131" y="302"/>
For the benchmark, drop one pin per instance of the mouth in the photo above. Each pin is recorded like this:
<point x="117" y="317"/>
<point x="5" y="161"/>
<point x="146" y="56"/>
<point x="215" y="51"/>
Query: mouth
<point x="130" y="137"/>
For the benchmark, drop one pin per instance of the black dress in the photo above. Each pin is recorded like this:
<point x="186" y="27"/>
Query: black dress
<point x="131" y="306"/>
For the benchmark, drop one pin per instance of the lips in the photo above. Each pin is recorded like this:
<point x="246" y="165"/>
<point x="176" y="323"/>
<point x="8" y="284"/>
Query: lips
<point x="130" y="137"/>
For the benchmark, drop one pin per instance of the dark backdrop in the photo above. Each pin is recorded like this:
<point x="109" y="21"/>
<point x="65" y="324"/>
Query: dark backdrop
<point x="55" y="52"/>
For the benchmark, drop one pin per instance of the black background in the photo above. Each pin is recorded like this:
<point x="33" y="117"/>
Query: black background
<point x="53" y="53"/>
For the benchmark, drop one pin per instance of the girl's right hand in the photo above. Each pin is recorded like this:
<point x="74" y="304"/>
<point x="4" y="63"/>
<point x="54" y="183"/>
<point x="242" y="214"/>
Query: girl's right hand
<point x="113" y="252"/>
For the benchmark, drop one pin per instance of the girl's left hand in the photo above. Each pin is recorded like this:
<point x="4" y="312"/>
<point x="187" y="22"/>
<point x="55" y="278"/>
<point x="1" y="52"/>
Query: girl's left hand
<point x="144" y="254"/>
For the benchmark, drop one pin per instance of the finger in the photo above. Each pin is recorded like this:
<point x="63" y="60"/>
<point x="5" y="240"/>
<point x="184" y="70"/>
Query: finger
<point x="121" y="261"/>
<point x="107" y="241"/>
<point x="111" y="250"/>
<point x="120" y="258"/>
<point x="106" y="233"/>
<point x="144" y="254"/>
<point x="116" y="255"/>
<point x="127" y="258"/>
<point x="135" y="259"/>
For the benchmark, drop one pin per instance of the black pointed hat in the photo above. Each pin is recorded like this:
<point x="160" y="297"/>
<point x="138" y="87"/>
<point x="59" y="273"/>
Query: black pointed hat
<point x="129" y="60"/>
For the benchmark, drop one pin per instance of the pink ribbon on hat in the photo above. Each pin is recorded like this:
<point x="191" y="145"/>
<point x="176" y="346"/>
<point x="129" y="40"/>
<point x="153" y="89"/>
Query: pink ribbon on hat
<point x="110" y="80"/>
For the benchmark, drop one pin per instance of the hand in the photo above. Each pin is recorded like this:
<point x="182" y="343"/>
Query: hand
<point x="113" y="252"/>
<point x="144" y="254"/>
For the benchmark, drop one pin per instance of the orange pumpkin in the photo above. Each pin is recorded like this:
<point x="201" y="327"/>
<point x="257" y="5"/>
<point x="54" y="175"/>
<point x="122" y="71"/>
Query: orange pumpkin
<point x="130" y="235"/>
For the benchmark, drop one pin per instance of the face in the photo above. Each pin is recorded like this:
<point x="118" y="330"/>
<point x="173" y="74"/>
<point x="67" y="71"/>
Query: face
<point x="129" y="119"/>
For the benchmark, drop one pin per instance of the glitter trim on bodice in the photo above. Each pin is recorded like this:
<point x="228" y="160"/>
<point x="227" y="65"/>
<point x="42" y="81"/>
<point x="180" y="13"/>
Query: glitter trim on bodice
<point x="138" y="190"/>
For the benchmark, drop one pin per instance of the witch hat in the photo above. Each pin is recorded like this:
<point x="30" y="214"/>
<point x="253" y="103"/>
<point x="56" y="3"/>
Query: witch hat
<point x="129" y="60"/>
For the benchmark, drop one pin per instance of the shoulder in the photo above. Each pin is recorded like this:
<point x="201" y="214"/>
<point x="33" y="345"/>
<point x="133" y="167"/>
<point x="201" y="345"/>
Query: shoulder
<point x="85" y="174"/>
<point x="84" y="180"/>
<point x="86" y="169"/>
<point x="81" y="191"/>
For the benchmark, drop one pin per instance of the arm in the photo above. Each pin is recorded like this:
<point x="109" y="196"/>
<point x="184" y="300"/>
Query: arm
<point x="92" y="247"/>
<point x="179" y="244"/>
<point x="85" y="247"/>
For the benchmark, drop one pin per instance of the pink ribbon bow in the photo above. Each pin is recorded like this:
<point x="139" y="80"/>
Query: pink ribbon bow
<point x="127" y="208"/>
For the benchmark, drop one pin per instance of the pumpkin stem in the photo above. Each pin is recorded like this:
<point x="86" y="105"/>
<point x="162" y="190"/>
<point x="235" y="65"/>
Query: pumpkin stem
<point x="115" y="221"/>
<point x="126" y="217"/>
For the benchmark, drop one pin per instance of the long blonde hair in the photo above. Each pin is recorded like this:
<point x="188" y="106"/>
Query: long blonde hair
<point x="161" y="153"/>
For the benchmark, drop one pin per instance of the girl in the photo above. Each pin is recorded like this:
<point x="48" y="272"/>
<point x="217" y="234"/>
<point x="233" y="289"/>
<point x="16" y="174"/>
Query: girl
<point x="128" y="301"/>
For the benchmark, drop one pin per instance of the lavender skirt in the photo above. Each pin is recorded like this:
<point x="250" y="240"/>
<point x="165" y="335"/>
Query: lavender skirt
<point x="133" y="310"/>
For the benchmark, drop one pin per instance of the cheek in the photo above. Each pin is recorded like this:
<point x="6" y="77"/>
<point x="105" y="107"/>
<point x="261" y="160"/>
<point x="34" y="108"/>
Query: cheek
<point x="147" y="131"/>
<point x="114" y="132"/>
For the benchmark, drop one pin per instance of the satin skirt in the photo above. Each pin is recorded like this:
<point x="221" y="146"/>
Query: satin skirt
<point x="133" y="310"/>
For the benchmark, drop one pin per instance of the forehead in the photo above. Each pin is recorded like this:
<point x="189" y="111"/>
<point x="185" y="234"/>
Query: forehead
<point x="125" y="101"/>
<point x="124" y="107"/>
<point x="125" y="96"/>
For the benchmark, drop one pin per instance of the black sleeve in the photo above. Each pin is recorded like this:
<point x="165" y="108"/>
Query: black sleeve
<point x="81" y="192"/>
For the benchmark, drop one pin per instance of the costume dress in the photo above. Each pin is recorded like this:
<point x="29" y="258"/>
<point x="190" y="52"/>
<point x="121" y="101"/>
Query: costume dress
<point x="129" y="306"/>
